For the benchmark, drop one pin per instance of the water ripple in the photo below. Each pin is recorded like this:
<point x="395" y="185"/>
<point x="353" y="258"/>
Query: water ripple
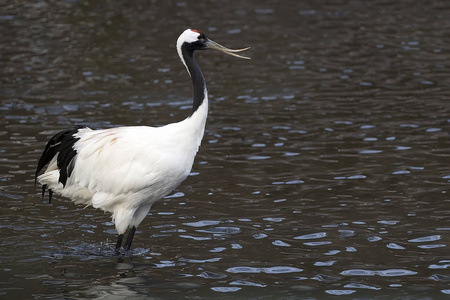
<point x="361" y="286"/>
<point x="434" y="266"/>
<point x="270" y="270"/>
<point x="280" y="243"/>
<point x="202" y="223"/>
<point x="200" y="261"/>
<point x="338" y="165"/>
<point x="247" y="283"/>
<point x="220" y="230"/>
<point x="432" y="246"/>
<point x="383" y="273"/>
<point x="430" y="238"/>
<point x="340" y="292"/>
<point x="310" y="236"/>
<point x="225" y="289"/>
<point x="317" y="243"/>
<point x="395" y="246"/>
<point x="212" y="275"/>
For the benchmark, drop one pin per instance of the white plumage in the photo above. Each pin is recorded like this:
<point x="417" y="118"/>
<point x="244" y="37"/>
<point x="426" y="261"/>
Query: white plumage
<point x="125" y="170"/>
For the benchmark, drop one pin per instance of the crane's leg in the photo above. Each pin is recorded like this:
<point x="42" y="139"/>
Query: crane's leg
<point x="44" y="187"/>
<point x="119" y="243"/>
<point x="50" y="193"/>
<point x="130" y="237"/>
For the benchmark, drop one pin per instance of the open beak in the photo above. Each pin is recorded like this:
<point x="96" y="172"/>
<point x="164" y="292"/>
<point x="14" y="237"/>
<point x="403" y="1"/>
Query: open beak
<point x="215" y="46"/>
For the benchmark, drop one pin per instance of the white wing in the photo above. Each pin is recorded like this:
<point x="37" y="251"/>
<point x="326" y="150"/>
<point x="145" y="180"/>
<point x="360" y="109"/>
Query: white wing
<point x="141" y="163"/>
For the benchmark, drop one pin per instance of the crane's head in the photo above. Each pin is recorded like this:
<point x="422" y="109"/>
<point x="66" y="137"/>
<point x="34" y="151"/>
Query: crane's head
<point x="193" y="39"/>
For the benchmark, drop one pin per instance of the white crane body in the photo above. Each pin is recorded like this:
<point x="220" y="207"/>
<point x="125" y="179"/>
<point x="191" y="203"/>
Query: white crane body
<point x="124" y="170"/>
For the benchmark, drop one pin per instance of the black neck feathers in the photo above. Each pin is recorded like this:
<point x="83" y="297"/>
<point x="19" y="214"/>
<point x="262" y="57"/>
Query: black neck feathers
<point x="198" y="80"/>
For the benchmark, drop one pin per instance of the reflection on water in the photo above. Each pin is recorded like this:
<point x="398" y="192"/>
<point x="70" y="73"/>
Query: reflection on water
<point x="324" y="169"/>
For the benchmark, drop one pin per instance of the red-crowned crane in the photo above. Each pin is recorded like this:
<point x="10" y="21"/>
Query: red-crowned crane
<point x="124" y="170"/>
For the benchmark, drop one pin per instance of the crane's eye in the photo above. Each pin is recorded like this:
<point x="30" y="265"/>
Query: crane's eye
<point x="201" y="37"/>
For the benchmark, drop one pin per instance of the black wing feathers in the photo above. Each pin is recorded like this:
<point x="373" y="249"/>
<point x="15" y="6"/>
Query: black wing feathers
<point x="60" y="144"/>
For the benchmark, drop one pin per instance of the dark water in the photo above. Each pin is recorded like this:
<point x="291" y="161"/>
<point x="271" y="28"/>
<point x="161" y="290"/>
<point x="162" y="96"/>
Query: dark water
<point x="324" y="171"/>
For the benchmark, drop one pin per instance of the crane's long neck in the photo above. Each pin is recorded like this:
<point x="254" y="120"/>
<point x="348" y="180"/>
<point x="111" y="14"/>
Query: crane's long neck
<point x="198" y="81"/>
<point x="196" y="121"/>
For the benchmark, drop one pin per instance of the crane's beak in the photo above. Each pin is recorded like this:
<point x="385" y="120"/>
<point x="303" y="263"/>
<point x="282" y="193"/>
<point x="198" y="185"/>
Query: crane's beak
<point x="215" y="46"/>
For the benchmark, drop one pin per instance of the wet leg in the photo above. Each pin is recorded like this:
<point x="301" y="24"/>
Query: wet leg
<point x="119" y="243"/>
<point x="129" y="239"/>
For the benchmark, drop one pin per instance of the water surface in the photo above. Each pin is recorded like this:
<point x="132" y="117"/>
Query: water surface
<point x="324" y="170"/>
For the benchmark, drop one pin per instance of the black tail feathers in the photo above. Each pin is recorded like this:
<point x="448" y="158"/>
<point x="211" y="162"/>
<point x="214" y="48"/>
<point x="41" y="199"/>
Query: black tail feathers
<point x="60" y="145"/>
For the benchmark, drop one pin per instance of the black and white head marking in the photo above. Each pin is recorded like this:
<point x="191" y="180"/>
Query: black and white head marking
<point x="194" y="40"/>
